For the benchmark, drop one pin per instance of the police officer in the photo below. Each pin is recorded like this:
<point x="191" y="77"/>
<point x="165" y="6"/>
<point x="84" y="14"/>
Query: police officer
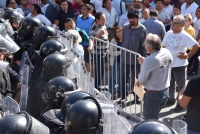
<point x="52" y="66"/>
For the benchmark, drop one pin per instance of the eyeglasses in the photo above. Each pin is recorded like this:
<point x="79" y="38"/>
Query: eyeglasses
<point x="175" y="23"/>
<point x="13" y="3"/>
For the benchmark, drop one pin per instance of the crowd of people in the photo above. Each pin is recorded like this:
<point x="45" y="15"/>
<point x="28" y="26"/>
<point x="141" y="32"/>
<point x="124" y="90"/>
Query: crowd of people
<point x="166" y="33"/>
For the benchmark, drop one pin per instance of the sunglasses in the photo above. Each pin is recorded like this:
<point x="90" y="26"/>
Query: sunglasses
<point x="13" y="3"/>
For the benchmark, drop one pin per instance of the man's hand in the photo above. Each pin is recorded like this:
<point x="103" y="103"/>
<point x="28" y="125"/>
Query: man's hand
<point x="19" y="86"/>
<point x="137" y="83"/>
<point x="140" y="59"/>
<point x="182" y="55"/>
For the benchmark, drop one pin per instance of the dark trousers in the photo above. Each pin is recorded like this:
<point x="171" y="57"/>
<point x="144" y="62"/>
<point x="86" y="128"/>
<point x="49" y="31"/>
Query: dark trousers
<point x="99" y="61"/>
<point x="194" y="59"/>
<point x="126" y="71"/>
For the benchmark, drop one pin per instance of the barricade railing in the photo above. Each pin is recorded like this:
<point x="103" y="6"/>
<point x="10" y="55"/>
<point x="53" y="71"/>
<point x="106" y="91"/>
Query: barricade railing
<point x="115" y="69"/>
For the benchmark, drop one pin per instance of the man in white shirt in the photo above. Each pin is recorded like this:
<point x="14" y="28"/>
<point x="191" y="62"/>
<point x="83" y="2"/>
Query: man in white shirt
<point x="119" y="6"/>
<point x="111" y="17"/>
<point x="97" y="4"/>
<point x="177" y="41"/>
<point x="163" y="15"/>
<point x="145" y="15"/>
<point x="124" y="19"/>
<point x="168" y="7"/>
<point x="189" y="7"/>
<point x="137" y="5"/>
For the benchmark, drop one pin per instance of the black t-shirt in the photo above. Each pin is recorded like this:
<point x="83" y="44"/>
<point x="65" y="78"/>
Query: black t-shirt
<point x="193" y="109"/>
<point x="61" y="16"/>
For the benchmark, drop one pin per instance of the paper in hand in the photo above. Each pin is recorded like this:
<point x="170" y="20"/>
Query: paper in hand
<point x="139" y="91"/>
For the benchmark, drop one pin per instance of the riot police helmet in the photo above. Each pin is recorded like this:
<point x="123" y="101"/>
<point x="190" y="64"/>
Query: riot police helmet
<point x="28" y="26"/>
<point x="55" y="90"/>
<point x="50" y="47"/>
<point x="13" y="16"/>
<point x="84" y="117"/>
<point x="152" y="127"/>
<point x="44" y="33"/>
<point x="2" y="20"/>
<point x="72" y="98"/>
<point x="7" y="13"/>
<point x="21" y="123"/>
<point x="55" y="64"/>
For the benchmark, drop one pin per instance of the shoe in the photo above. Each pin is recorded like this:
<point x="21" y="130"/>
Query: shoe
<point x="178" y="108"/>
<point x="192" y="73"/>
<point x="170" y="102"/>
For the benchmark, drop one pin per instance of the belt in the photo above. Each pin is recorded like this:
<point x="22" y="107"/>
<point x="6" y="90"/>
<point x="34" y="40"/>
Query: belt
<point x="147" y="90"/>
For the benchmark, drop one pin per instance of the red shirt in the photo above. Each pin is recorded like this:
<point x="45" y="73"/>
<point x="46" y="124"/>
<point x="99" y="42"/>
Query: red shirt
<point x="76" y="9"/>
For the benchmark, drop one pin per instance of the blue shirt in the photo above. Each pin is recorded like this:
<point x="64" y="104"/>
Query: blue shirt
<point x="85" y="24"/>
<point x="26" y="11"/>
<point x="153" y="5"/>
<point x="61" y="17"/>
<point x="154" y="26"/>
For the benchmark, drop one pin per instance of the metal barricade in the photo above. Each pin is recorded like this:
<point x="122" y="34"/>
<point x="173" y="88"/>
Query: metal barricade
<point x="116" y="72"/>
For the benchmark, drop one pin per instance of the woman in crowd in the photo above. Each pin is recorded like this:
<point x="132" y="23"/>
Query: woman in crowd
<point x="188" y="25"/>
<point x="114" y="53"/>
<point x="98" y="30"/>
<point x="92" y="10"/>
<point x="12" y="4"/>
<point x="37" y="13"/>
<point x="25" y="7"/>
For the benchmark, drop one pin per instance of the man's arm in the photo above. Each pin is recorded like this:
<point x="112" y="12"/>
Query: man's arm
<point x="51" y="3"/>
<point x="57" y="22"/>
<point x="183" y="55"/>
<point x="198" y="36"/>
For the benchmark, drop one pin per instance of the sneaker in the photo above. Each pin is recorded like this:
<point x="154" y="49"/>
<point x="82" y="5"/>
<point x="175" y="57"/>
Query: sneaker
<point x="192" y="73"/>
<point x="178" y="108"/>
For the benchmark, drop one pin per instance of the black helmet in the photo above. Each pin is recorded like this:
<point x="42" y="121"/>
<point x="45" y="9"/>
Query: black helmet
<point x="44" y="32"/>
<point x="28" y="25"/>
<point x="13" y="16"/>
<point x="7" y="13"/>
<point x="2" y="20"/>
<point x="72" y="98"/>
<point x="151" y="127"/>
<point x="55" y="90"/>
<point x="21" y="123"/>
<point x="84" y="117"/>
<point x="54" y="64"/>
<point x="49" y="47"/>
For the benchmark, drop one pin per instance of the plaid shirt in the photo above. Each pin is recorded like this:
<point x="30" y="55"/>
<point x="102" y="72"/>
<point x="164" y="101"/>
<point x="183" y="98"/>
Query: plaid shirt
<point x="35" y="2"/>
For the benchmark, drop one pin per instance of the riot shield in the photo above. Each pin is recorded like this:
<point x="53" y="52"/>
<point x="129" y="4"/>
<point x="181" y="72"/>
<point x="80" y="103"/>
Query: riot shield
<point x="24" y="88"/>
<point x="8" y="44"/>
<point x="10" y="106"/>
<point x="179" y="126"/>
<point x="9" y="27"/>
<point x="1" y="12"/>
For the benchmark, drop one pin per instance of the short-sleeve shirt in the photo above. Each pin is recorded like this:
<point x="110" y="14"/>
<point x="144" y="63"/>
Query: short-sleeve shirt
<point x="193" y="108"/>
<point x="61" y="17"/>
<point x="177" y="43"/>
<point x="163" y="15"/>
<point x="197" y="28"/>
<point x="76" y="9"/>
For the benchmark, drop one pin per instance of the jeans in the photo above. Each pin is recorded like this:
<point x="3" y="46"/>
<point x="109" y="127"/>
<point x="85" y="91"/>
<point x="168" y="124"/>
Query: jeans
<point x="191" y="132"/>
<point x="178" y="75"/>
<point x="153" y="103"/>
<point x="114" y="78"/>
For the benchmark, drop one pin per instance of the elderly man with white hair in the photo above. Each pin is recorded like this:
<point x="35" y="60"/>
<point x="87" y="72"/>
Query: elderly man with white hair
<point x="155" y="76"/>
<point x="177" y="41"/>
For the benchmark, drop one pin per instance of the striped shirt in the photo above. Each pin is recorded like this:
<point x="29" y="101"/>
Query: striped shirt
<point x="99" y="47"/>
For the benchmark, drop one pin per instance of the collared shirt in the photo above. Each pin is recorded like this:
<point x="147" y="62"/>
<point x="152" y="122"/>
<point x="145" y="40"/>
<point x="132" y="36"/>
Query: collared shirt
<point x="119" y="6"/>
<point x="163" y="15"/>
<point x="61" y="16"/>
<point x="97" y="4"/>
<point x="123" y="20"/>
<point x="156" y="67"/>
<point x="155" y="26"/>
<point x="190" y="10"/>
<point x="132" y="39"/>
<point x="85" y="24"/>
<point x="111" y="17"/>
